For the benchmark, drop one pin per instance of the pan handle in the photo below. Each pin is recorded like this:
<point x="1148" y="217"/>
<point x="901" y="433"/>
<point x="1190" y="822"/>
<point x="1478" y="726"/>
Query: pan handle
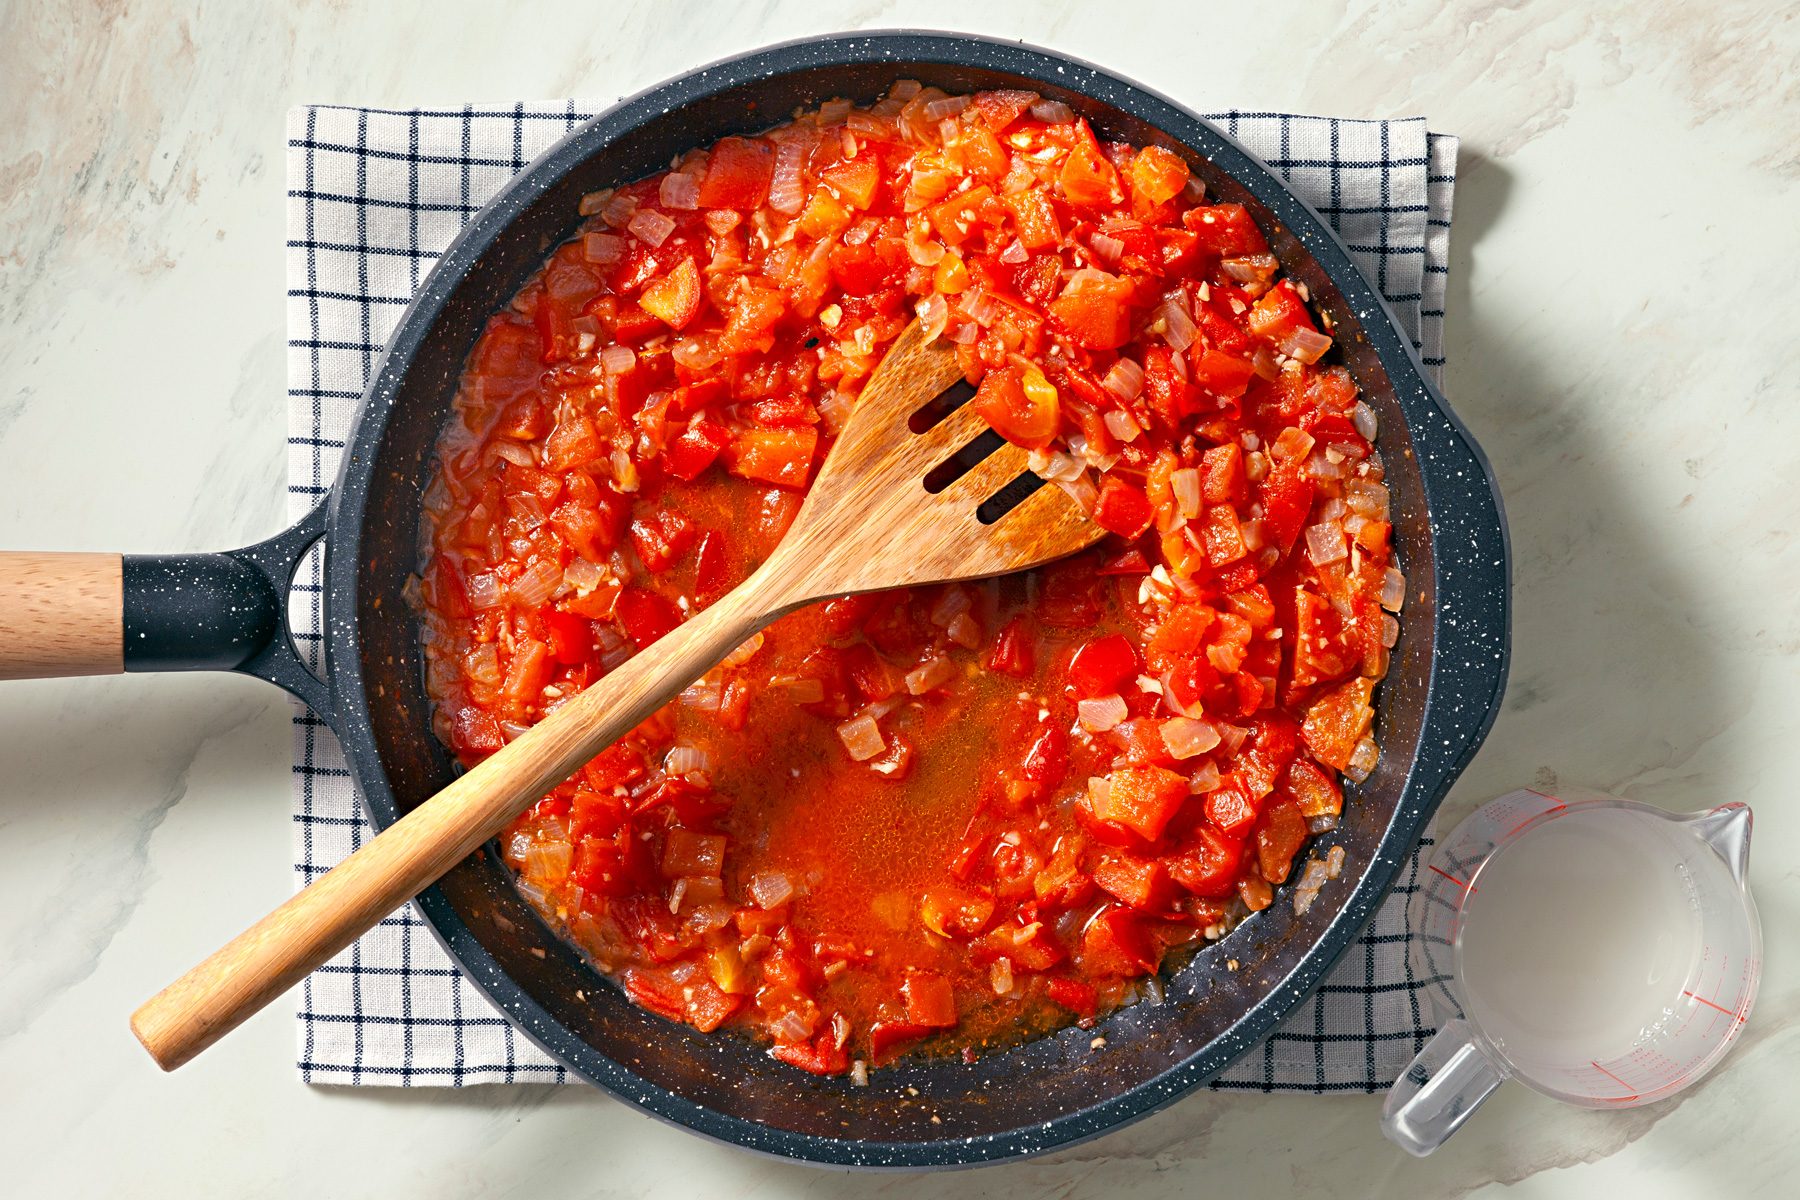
<point x="100" y="614"/>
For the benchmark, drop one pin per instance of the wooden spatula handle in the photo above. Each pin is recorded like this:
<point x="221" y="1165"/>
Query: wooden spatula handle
<point x="277" y="952"/>
<point x="61" y="614"/>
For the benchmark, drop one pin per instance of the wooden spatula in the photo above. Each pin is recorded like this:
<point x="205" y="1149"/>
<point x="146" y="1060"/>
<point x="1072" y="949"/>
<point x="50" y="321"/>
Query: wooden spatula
<point x="906" y="497"/>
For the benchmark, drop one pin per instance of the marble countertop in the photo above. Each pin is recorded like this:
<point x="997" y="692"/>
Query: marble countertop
<point x="1620" y="339"/>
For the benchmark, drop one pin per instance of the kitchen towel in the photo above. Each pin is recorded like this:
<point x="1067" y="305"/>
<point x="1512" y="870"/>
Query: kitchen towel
<point x="374" y="195"/>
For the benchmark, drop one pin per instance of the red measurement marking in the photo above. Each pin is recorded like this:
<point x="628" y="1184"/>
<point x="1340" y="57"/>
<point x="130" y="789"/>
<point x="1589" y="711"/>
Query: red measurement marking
<point x="1528" y="820"/>
<point x="1617" y="1080"/>
<point x="1710" y="1004"/>
<point x="1453" y="879"/>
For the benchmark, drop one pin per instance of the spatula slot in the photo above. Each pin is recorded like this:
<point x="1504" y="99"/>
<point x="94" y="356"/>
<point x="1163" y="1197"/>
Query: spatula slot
<point x="1008" y="498"/>
<point x="963" y="461"/>
<point x="940" y="406"/>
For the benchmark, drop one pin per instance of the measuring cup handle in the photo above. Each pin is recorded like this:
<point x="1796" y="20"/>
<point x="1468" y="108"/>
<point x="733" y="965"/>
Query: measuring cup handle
<point x="1440" y="1089"/>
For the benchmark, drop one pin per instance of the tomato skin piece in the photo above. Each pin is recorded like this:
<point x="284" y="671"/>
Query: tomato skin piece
<point x="887" y="1037"/>
<point x="1013" y="652"/>
<point x="738" y="172"/>
<point x="1103" y="666"/>
<point x="1026" y="415"/>
<point x="821" y="1056"/>
<point x="1122" y="509"/>
<point x="783" y="457"/>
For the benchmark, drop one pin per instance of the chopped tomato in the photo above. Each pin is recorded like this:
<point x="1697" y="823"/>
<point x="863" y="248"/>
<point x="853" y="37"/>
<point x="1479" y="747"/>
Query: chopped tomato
<point x="737" y="174"/>
<point x="646" y="615"/>
<point x="1103" y="666"/>
<point x="1095" y="309"/>
<point x="1020" y="405"/>
<point x="778" y="456"/>
<point x="675" y="298"/>
<point x="1116" y="944"/>
<point x="1141" y="799"/>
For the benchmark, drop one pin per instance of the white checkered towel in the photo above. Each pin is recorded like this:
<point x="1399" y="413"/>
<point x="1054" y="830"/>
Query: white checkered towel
<point x="373" y="196"/>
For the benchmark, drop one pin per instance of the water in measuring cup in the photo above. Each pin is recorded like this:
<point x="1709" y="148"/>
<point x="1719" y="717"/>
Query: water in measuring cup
<point x="1580" y="937"/>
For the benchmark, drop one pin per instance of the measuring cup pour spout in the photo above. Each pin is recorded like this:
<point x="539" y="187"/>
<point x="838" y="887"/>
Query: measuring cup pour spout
<point x="1727" y="830"/>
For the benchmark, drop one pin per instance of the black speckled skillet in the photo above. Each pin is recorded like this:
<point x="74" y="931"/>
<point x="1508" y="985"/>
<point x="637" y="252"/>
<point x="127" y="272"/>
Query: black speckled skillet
<point x="1435" y="706"/>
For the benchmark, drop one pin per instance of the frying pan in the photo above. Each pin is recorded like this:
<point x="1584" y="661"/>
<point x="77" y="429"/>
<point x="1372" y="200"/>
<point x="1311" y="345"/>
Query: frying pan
<point x="227" y="612"/>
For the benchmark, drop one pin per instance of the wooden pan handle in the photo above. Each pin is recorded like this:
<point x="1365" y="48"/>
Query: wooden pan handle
<point x="61" y="614"/>
<point x="277" y="952"/>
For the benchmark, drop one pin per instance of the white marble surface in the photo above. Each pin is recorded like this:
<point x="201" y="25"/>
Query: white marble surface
<point x="1620" y="337"/>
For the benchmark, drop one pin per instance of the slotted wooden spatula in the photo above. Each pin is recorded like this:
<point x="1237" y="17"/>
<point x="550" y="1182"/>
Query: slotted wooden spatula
<point x="905" y="497"/>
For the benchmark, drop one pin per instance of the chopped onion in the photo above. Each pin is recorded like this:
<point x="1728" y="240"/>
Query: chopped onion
<point x="1292" y="442"/>
<point x="934" y="316"/>
<point x="1081" y="489"/>
<point x="948" y="106"/>
<point x="861" y="737"/>
<point x="1000" y="974"/>
<point x="833" y="111"/>
<point x="979" y="307"/>
<point x="787" y="187"/>
<point x="836" y="407"/>
<point x="679" y="190"/>
<point x="1054" y="466"/>
<point x="1122" y="425"/>
<point x="952" y="603"/>
<point x="618" y="209"/>
<point x="536" y="585"/>
<point x="482" y="664"/>
<point x="1390" y="631"/>
<point x="1205" y="779"/>
<point x="1124" y="379"/>
<point x="1185" y="483"/>
<point x="926" y="254"/>
<point x="515" y="454"/>
<point x="602" y="247"/>
<point x="801" y="689"/>
<point x="1334" y="862"/>
<point x="1363" y="417"/>
<point x="965" y="333"/>
<point x="1179" y="329"/>
<point x="746" y="651"/>
<point x="1233" y="736"/>
<point x="1367" y="499"/>
<point x="1014" y="253"/>
<point x="859" y="1073"/>
<point x="1325" y="543"/>
<point x="791" y="1026"/>
<point x="1186" y="737"/>
<point x="696" y="353"/>
<point x="1363" y="760"/>
<point x="1106" y="248"/>
<point x="1306" y="890"/>
<point x="965" y="631"/>
<point x="485" y="590"/>
<point x="1052" y="112"/>
<point x="770" y="889"/>
<point x="681" y="760"/>
<point x="1323" y="823"/>
<point x="1322" y="466"/>
<point x="1307" y="345"/>
<point x="1100" y="715"/>
<point x="1393" y="590"/>
<point x="651" y="227"/>
<point x="701" y="694"/>
<point x="1251" y="268"/>
<point x="932" y="673"/>
<point x="594" y="202"/>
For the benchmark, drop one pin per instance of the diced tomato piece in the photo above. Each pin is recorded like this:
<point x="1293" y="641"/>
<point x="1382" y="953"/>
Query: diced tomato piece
<point x="1339" y="720"/>
<point x="855" y="179"/>
<point x="708" y="1007"/>
<point x="821" y="1056"/>
<point x="675" y="298"/>
<point x="1020" y="404"/>
<point x="1141" y="799"/>
<point x="750" y="326"/>
<point x="1280" y="830"/>
<point x="1047" y="761"/>
<point x="1131" y="562"/>
<point x="571" y="637"/>
<point x="1230" y="808"/>
<point x="1122" y="509"/>
<point x="1139" y="882"/>
<point x="690" y="853"/>
<point x="1096" y="311"/>
<point x="1223" y="375"/>
<point x="592" y="529"/>
<point x="738" y="172"/>
<point x="662" y="538"/>
<point x="1287" y="496"/>
<point x="1224" y="536"/>
<point x="956" y="912"/>
<point x="887" y="1037"/>
<point x="1087" y="179"/>
<point x="688" y="456"/>
<point x="475" y="731"/>
<point x="1013" y="652"/>
<point x="646" y="615"/>
<point x="1222" y="479"/>
<point x="955" y="218"/>
<point x="1157" y="175"/>
<point x="1208" y="867"/>
<point x="1320" y="652"/>
<point x="929" y="1000"/>
<point x="1226" y="229"/>
<point x="1001" y="107"/>
<point x="778" y="456"/>
<point x="508" y="360"/>
<point x="1182" y="633"/>
<point x="1279" y="312"/>
<point x="656" y="991"/>
<point x="1116" y="944"/>
<point x="1103" y="666"/>
<point x="1078" y="997"/>
<point x="1316" y="792"/>
<point x="1034" y="216"/>
<point x="1166" y="388"/>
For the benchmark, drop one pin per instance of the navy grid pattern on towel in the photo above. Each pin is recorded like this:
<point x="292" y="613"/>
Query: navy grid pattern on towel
<point x="373" y="197"/>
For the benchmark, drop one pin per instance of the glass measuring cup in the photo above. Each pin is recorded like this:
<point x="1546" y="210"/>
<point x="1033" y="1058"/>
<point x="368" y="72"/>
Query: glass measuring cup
<point x="1601" y="951"/>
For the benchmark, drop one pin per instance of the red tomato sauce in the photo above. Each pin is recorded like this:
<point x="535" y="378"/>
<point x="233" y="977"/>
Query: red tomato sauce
<point x="939" y="818"/>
